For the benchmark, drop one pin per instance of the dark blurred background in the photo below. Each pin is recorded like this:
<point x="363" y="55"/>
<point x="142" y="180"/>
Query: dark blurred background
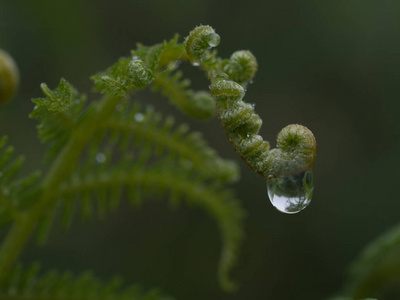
<point x="333" y="66"/>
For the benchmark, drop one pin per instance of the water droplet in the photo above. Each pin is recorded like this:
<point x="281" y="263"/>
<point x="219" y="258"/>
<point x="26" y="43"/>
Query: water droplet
<point x="253" y="105"/>
<point x="101" y="158"/>
<point x="291" y="194"/>
<point x="195" y="64"/>
<point x="139" y="117"/>
<point x="213" y="39"/>
<point x="248" y="134"/>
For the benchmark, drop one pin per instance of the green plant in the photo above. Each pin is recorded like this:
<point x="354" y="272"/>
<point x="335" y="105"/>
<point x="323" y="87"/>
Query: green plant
<point x="99" y="150"/>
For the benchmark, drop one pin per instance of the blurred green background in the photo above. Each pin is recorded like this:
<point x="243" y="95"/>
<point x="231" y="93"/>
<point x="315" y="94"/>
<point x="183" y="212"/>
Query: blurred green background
<point x="333" y="66"/>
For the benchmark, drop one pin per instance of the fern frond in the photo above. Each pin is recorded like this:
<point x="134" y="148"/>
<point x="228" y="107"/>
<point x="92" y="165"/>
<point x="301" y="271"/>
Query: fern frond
<point x="115" y="79"/>
<point x="161" y="179"/>
<point x="149" y="55"/>
<point x="139" y="153"/>
<point x="173" y="51"/>
<point x="130" y="73"/>
<point x="57" y="114"/>
<point x="127" y="75"/>
<point x="199" y="105"/>
<point x="59" y="99"/>
<point x="13" y="192"/>
<point x="27" y="284"/>
<point x="146" y="126"/>
<point x="198" y="43"/>
<point x="156" y="63"/>
<point x="376" y="267"/>
<point x="241" y="67"/>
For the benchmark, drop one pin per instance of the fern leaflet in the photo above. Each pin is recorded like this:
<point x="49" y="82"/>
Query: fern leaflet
<point x="14" y="193"/>
<point x="137" y="152"/>
<point x="27" y="284"/>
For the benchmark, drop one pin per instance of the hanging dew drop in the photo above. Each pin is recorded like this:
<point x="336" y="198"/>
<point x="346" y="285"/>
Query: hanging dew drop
<point x="291" y="194"/>
<point x="213" y="39"/>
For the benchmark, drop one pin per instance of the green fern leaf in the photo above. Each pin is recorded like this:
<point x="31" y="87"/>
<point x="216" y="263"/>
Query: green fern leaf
<point x="158" y="180"/>
<point x="59" y="99"/>
<point x="127" y="75"/>
<point x="199" y="105"/>
<point x="57" y="115"/>
<point x="14" y="192"/>
<point x="146" y="126"/>
<point x="149" y="55"/>
<point x="27" y="284"/>
<point x="173" y="52"/>
<point x="138" y="152"/>
<point x="112" y="149"/>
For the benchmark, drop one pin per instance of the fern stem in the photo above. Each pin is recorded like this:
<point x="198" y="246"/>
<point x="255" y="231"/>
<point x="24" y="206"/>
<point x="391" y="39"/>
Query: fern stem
<point x="64" y="164"/>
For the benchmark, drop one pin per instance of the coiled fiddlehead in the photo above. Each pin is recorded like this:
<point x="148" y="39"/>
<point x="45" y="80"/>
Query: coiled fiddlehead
<point x="287" y="168"/>
<point x="201" y="39"/>
<point x="9" y="77"/>
<point x="241" y="67"/>
<point x="124" y="77"/>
